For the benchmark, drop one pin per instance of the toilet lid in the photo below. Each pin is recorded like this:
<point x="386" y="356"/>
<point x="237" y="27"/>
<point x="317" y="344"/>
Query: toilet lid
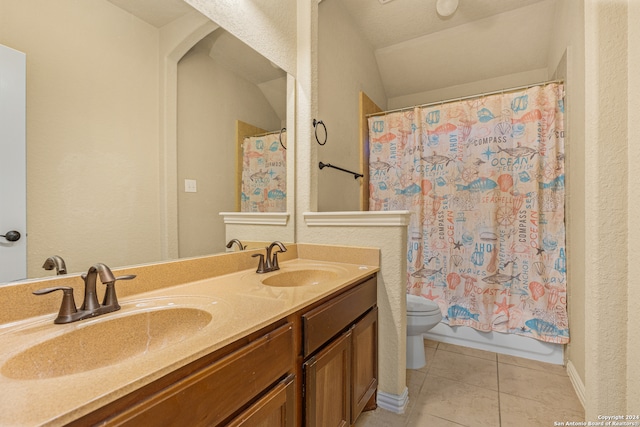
<point x="421" y="305"/>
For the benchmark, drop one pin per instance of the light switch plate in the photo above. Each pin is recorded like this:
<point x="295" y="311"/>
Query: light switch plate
<point x="190" y="186"/>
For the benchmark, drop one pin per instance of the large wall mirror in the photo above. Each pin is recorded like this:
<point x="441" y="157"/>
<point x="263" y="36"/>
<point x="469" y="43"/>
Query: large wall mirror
<point x="127" y="99"/>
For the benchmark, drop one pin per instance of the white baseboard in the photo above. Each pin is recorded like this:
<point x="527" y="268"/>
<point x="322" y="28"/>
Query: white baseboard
<point x="578" y="385"/>
<point x="393" y="402"/>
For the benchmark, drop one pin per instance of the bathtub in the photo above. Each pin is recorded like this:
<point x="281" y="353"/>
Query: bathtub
<point x="511" y="344"/>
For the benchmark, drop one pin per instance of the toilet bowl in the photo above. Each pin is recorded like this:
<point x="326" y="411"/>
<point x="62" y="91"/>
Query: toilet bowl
<point x="422" y="315"/>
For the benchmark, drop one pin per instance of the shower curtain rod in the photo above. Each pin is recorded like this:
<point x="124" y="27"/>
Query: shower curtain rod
<point x="447" y="101"/>
<point x="264" y="134"/>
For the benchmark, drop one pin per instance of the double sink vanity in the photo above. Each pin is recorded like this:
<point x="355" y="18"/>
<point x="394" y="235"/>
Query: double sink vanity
<point x="203" y="341"/>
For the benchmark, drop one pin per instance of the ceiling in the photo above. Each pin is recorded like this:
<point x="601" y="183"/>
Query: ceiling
<point x="483" y="39"/>
<point x="401" y="20"/>
<point x="222" y="47"/>
<point x="155" y="12"/>
<point x="417" y="50"/>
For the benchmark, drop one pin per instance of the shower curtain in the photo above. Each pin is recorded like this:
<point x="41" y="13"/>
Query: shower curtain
<point x="264" y="174"/>
<point x="484" y="179"/>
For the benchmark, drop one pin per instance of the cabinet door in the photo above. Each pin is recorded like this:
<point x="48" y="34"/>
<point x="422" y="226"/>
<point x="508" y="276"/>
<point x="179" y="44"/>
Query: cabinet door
<point x="327" y="391"/>
<point x="364" y="363"/>
<point x="275" y="409"/>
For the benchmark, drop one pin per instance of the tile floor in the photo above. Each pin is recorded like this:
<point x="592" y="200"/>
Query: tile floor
<point x="466" y="387"/>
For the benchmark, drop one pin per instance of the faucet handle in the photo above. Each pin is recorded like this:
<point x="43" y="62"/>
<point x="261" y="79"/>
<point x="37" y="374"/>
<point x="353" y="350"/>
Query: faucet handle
<point x="110" y="298"/>
<point x="68" y="306"/>
<point x="274" y="264"/>
<point x="261" y="268"/>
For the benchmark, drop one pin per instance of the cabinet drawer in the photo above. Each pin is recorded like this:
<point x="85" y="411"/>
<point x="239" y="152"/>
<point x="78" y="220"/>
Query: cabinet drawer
<point x="324" y="322"/>
<point x="212" y="394"/>
<point x="274" y="409"/>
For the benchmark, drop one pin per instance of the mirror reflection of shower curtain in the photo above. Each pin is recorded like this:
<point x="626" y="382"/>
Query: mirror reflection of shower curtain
<point x="484" y="178"/>
<point x="264" y="174"/>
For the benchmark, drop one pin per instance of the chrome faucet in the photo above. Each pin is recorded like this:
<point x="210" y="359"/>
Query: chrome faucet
<point x="90" y="306"/>
<point x="270" y="262"/>
<point x="56" y="262"/>
<point x="237" y="242"/>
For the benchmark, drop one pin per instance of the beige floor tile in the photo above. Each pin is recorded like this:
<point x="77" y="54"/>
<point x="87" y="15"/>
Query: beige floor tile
<point x="552" y="390"/>
<point x="415" y="379"/>
<point x="381" y="418"/>
<point x="429" y="354"/>
<point x="489" y="355"/>
<point x="457" y="402"/>
<point x="420" y="419"/>
<point x="518" y="411"/>
<point x="467" y="369"/>
<point x="458" y="387"/>
<point x="431" y="343"/>
<point x="533" y="364"/>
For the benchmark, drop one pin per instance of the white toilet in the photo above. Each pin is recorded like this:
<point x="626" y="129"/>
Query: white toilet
<point x="422" y="315"/>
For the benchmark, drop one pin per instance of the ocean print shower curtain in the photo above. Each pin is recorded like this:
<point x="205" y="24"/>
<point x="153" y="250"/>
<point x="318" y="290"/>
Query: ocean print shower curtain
<point x="484" y="179"/>
<point x="264" y="174"/>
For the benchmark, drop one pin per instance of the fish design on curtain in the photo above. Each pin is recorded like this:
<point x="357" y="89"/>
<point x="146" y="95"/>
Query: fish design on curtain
<point x="484" y="179"/>
<point x="264" y="174"/>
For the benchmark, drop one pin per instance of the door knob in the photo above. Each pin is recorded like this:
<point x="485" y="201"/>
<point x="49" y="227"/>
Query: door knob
<point x="11" y="236"/>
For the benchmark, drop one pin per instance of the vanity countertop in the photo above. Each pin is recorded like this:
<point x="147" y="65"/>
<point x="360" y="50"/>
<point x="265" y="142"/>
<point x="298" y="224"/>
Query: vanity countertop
<point x="238" y="304"/>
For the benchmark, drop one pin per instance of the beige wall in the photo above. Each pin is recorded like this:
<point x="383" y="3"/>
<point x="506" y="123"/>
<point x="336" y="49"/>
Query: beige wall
<point x="611" y="289"/>
<point x="566" y="58"/>
<point x="92" y="131"/>
<point x="633" y="196"/>
<point x="210" y="100"/>
<point x="470" y="89"/>
<point x="346" y="66"/>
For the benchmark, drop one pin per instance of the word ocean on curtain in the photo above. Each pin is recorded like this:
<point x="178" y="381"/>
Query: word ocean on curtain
<point x="484" y="179"/>
<point x="264" y="174"/>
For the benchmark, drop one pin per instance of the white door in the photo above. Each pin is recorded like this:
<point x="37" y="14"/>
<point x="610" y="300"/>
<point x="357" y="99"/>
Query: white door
<point x="13" y="199"/>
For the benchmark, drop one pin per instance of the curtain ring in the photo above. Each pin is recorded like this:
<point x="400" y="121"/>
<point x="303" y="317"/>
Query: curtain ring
<point x="326" y="134"/>
<point x="280" y="137"/>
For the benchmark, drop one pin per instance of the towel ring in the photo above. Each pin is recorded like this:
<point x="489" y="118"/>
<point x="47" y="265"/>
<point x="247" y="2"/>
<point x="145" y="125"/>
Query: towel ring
<point x="280" y="137"/>
<point x="326" y="134"/>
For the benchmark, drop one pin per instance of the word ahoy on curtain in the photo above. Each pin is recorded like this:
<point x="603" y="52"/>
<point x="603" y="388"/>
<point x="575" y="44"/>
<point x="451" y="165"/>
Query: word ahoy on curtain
<point x="484" y="180"/>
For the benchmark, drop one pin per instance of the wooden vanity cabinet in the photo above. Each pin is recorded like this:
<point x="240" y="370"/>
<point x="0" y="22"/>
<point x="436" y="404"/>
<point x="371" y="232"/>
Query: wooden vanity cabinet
<point x="254" y="382"/>
<point x="316" y="367"/>
<point x="340" y="345"/>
